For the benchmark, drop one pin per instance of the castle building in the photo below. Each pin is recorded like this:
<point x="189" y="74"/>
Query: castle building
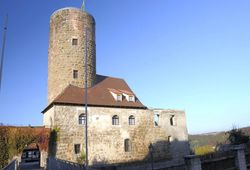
<point x="120" y="127"/>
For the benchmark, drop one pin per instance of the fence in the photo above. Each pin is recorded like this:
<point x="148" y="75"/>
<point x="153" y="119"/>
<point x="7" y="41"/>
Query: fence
<point x="248" y="160"/>
<point x="54" y="164"/>
<point x="11" y="166"/>
<point x="220" y="161"/>
<point x="177" y="167"/>
<point x="225" y="163"/>
<point x="223" y="160"/>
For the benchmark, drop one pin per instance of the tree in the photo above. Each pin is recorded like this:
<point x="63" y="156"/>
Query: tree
<point x="236" y="137"/>
<point x="4" y="154"/>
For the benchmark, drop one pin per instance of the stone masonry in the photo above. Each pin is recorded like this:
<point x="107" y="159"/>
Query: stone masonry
<point x="64" y="57"/>
<point x="106" y="141"/>
<point x="165" y="130"/>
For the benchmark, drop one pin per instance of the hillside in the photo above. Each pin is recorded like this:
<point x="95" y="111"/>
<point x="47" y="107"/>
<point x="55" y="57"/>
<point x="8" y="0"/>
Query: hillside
<point x="212" y="139"/>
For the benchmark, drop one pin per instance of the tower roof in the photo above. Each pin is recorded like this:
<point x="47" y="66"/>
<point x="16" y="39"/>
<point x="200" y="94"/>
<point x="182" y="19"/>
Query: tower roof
<point x="98" y="95"/>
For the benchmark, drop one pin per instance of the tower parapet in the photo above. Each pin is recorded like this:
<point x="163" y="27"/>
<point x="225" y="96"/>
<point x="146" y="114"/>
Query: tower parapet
<point x="67" y="50"/>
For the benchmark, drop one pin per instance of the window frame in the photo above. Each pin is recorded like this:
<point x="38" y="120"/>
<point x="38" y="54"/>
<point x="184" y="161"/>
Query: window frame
<point x="74" y="41"/>
<point x="77" y="148"/>
<point x="115" y="120"/>
<point x="82" y="119"/>
<point x="119" y="97"/>
<point x="75" y="74"/>
<point x="131" y="98"/>
<point x="127" y="145"/>
<point x="173" y="120"/>
<point x="131" y="120"/>
<point x="170" y="139"/>
<point x="156" y="119"/>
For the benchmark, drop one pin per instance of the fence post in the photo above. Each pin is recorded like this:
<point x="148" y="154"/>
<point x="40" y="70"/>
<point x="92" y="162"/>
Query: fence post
<point x="16" y="164"/>
<point x="193" y="162"/>
<point x="240" y="159"/>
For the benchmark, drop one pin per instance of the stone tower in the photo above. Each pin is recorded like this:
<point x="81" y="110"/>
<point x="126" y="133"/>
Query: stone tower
<point x="67" y="50"/>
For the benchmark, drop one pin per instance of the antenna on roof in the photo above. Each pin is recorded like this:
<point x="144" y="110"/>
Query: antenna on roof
<point x="83" y="5"/>
<point x="3" y="48"/>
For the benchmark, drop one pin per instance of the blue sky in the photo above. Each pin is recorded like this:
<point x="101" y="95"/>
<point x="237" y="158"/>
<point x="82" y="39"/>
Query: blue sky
<point x="192" y="55"/>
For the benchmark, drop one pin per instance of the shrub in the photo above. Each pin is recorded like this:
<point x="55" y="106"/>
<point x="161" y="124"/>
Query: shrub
<point x="81" y="159"/>
<point x="236" y="137"/>
<point x="203" y="150"/>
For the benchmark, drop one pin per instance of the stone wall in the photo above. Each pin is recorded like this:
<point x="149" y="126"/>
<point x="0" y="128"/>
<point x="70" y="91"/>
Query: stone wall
<point x="106" y="141"/>
<point x="63" y="57"/>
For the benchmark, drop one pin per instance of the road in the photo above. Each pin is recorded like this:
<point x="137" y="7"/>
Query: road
<point x="30" y="166"/>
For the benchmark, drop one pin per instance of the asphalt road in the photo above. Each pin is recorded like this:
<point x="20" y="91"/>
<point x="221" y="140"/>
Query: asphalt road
<point x="30" y="166"/>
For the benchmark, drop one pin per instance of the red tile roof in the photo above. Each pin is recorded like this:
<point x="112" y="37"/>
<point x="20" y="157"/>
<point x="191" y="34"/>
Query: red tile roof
<point x="127" y="92"/>
<point x="115" y="91"/>
<point x="98" y="95"/>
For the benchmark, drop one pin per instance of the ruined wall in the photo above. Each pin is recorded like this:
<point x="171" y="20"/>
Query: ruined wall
<point x="178" y="131"/>
<point x="65" y="56"/>
<point x="106" y="141"/>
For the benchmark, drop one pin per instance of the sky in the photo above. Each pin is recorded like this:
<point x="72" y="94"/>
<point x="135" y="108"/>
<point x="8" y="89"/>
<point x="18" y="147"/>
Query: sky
<point x="175" y="54"/>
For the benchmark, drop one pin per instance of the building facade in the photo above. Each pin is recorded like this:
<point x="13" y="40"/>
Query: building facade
<point x="120" y="127"/>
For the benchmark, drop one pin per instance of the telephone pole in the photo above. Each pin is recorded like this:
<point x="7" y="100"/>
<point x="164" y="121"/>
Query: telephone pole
<point x="3" y="49"/>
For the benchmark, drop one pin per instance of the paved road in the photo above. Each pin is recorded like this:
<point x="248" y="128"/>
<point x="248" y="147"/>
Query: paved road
<point x="30" y="166"/>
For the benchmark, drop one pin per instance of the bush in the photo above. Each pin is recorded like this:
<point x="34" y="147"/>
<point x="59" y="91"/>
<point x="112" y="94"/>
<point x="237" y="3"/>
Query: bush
<point x="236" y="137"/>
<point x="81" y="159"/>
<point x="13" y="140"/>
<point x="203" y="150"/>
<point x="4" y="154"/>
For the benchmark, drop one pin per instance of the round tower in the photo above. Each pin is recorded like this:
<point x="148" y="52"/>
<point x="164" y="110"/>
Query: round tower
<point x="67" y="50"/>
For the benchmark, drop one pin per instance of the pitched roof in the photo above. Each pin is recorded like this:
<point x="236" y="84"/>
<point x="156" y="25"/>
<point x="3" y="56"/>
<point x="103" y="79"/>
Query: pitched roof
<point x="98" y="95"/>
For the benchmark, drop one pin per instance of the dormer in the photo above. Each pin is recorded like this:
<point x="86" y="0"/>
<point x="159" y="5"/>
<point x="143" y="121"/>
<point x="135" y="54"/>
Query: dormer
<point x="128" y="95"/>
<point x="116" y="94"/>
<point x="131" y="98"/>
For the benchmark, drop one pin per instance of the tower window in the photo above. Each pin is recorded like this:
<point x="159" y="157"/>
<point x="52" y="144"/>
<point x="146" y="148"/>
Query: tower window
<point x="172" y="120"/>
<point x="131" y="120"/>
<point x="74" y="41"/>
<point x="82" y="119"/>
<point x="115" y="120"/>
<point x="127" y="145"/>
<point x="75" y="74"/>
<point x="77" y="148"/>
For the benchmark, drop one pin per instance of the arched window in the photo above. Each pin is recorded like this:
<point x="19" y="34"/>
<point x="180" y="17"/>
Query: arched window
<point x="82" y="119"/>
<point x="131" y="120"/>
<point x="115" y="120"/>
<point x="127" y="145"/>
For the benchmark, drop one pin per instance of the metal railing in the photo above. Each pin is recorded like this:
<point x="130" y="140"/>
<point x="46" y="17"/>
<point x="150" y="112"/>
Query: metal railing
<point x="11" y="166"/>
<point x="54" y="164"/>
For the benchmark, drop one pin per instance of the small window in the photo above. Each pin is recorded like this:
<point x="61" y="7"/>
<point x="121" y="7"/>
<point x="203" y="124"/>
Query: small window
<point x="156" y="119"/>
<point x="170" y="139"/>
<point x="77" y="148"/>
<point x="75" y="74"/>
<point x="131" y="120"/>
<point x="127" y="145"/>
<point x="82" y="119"/>
<point x="172" y="121"/>
<point x="131" y="98"/>
<point x="74" y="41"/>
<point x="115" y="120"/>
<point x="119" y="97"/>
